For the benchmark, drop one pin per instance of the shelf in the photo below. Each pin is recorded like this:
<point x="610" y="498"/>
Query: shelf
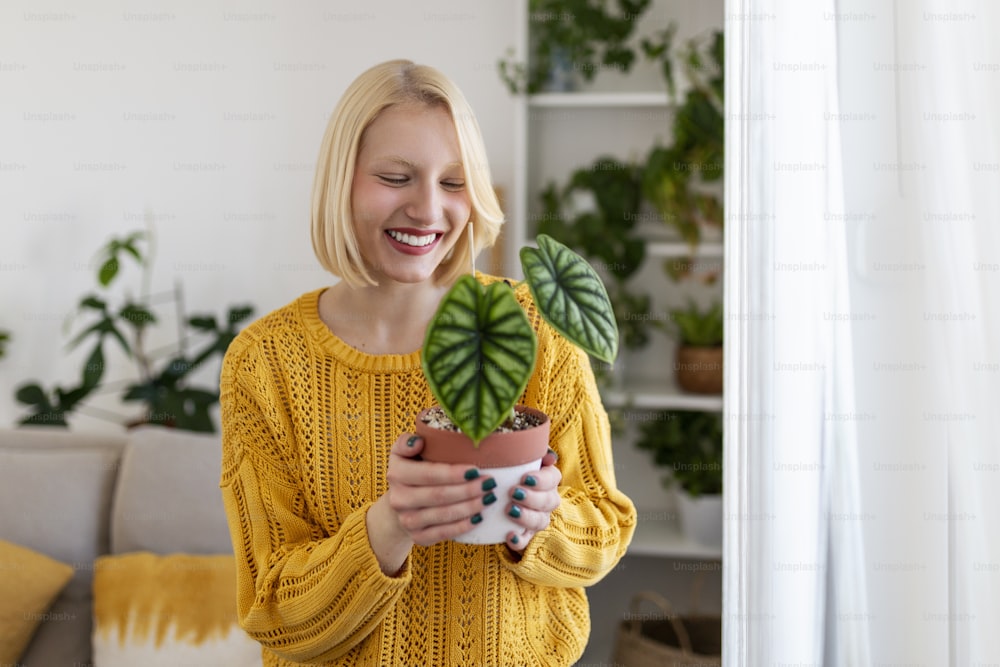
<point x="657" y="395"/>
<point x="680" y="249"/>
<point x="598" y="100"/>
<point x="657" y="534"/>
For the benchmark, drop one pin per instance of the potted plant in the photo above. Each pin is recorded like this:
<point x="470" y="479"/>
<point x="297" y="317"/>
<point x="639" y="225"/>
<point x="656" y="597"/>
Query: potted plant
<point x="570" y="40"/>
<point x="163" y="384"/>
<point x="479" y="352"/>
<point x="689" y="445"/>
<point x="680" y="179"/>
<point x="698" y="360"/>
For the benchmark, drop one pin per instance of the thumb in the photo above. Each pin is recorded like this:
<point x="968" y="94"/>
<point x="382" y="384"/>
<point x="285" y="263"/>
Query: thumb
<point x="408" y="445"/>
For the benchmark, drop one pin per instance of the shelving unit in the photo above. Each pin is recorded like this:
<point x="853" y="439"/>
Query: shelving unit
<point x="557" y="133"/>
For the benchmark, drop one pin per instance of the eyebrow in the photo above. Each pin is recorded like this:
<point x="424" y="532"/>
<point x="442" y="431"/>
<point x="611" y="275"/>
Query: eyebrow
<point x="396" y="159"/>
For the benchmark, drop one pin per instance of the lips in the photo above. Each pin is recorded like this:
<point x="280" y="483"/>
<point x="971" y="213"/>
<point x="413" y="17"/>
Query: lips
<point x="413" y="241"/>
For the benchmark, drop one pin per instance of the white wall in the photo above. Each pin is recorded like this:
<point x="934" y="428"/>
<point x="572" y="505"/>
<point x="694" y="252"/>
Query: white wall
<point x="206" y="117"/>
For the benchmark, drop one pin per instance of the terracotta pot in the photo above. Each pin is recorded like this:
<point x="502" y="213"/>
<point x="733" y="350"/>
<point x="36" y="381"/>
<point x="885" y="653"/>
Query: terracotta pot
<point x="699" y="369"/>
<point x="505" y="457"/>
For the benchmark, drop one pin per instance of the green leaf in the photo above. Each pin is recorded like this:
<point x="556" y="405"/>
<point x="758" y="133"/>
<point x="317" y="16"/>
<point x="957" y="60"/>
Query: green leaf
<point x="479" y="352"/>
<point x="571" y="297"/>
<point x="203" y="323"/>
<point x="136" y="315"/>
<point x="93" y="370"/>
<point x="31" y="394"/>
<point x="108" y="271"/>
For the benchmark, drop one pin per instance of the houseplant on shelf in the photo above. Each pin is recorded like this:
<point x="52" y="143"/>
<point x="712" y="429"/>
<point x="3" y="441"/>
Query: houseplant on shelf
<point x="681" y="179"/>
<point x="572" y="39"/>
<point x="163" y="385"/>
<point x="479" y="352"/>
<point x="689" y="444"/>
<point x="698" y="360"/>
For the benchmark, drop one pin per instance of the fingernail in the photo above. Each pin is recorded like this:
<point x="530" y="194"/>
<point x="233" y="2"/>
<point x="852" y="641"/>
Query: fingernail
<point x="471" y="473"/>
<point x="515" y="512"/>
<point x="553" y="453"/>
<point x="489" y="499"/>
<point x="412" y="440"/>
<point x="489" y="484"/>
<point x="518" y="494"/>
<point x="530" y="481"/>
<point x="514" y="540"/>
<point x="476" y="518"/>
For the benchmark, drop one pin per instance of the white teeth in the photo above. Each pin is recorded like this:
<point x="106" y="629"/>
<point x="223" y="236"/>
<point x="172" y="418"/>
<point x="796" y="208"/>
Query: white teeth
<point x="411" y="240"/>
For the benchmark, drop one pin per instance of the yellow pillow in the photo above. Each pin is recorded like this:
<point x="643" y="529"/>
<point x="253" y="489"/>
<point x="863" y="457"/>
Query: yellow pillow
<point x="172" y="610"/>
<point x="31" y="582"/>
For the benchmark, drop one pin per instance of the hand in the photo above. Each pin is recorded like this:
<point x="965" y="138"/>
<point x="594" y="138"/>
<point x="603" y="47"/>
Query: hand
<point x="533" y="501"/>
<point x="432" y="502"/>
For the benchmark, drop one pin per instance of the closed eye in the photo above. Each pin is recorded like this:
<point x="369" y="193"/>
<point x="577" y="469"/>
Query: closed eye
<point x="392" y="180"/>
<point x="453" y="185"/>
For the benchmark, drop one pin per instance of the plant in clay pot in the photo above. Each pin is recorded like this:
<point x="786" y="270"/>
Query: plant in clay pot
<point x="698" y="362"/>
<point x="689" y="444"/>
<point x="479" y="352"/>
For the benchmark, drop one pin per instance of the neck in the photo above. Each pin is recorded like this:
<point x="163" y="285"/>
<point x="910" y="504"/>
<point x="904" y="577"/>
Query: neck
<point x="388" y="319"/>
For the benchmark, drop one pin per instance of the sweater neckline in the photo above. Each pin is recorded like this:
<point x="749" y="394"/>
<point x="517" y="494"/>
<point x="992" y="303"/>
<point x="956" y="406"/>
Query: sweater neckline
<point x="336" y="346"/>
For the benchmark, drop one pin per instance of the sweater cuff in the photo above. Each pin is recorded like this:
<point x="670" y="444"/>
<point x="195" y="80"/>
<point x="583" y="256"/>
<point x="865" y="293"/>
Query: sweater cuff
<point x="360" y="549"/>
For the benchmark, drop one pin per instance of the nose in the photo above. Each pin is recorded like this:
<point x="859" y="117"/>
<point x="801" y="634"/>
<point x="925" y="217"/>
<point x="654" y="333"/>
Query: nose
<point x="425" y="204"/>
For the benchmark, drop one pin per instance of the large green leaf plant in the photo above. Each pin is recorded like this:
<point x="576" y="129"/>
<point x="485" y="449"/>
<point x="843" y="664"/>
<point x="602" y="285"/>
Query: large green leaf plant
<point x="480" y="350"/>
<point x="163" y="386"/>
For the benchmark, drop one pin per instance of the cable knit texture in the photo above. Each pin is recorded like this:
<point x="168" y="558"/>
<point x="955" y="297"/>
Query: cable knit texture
<point x="308" y="422"/>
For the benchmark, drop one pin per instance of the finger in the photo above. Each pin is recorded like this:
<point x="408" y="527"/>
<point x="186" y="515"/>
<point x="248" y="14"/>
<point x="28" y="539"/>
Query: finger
<point x="550" y="458"/>
<point x="407" y="497"/>
<point x="532" y="520"/>
<point x="541" y="501"/>
<point x="408" y="445"/>
<point x="518" y="541"/>
<point x="545" y="478"/>
<point x="440" y="523"/>
<point x="415" y="472"/>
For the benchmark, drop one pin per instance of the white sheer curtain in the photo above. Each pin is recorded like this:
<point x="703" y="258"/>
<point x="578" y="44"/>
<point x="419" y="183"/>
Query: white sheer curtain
<point x="863" y="342"/>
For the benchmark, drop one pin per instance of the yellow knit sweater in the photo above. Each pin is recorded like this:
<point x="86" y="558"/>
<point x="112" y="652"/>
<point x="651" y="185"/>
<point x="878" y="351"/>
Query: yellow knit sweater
<point x="307" y="424"/>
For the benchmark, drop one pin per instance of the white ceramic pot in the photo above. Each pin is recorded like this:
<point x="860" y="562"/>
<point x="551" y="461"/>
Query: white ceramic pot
<point x="701" y="518"/>
<point x="506" y="457"/>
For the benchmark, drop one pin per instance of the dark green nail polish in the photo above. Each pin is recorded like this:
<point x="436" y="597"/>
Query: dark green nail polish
<point x="515" y="512"/>
<point x="489" y="484"/>
<point x="518" y="494"/>
<point x="530" y="481"/>
<point x="412" y="440"/>
<point x="553" y="453"/>
<point x="471" y="473"/>
<point x="514" y="540"/>
<point x="476" y="518"/>
<point x="489" y="499"/>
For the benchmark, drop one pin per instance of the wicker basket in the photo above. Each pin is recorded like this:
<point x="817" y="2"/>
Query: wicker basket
<point x="670" y="641"/>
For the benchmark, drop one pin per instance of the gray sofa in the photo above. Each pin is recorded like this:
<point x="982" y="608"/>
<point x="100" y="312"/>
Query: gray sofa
<point x="75" y="496"/>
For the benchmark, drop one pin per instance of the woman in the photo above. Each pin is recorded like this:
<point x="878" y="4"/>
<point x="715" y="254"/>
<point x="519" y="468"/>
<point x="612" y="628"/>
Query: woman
<point x="342" y="534"/>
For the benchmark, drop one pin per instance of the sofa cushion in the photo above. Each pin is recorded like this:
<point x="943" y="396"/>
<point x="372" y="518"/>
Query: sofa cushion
<point x="167" y="498"/>
<point x="171" y="610"/>
<point x="31" y="582"/>
<point x="56" y="498"/>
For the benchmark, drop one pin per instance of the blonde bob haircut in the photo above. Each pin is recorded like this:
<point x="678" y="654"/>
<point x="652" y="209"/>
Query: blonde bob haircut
<point x="385" y="85"/>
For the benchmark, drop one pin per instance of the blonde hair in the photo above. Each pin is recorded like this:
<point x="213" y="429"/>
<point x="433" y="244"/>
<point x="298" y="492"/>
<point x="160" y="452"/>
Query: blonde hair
<point x="391" y="83"/>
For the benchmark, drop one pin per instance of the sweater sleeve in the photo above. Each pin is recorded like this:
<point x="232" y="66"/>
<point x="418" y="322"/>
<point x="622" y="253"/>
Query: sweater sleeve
<point x="593" y="525"/>
<point x="304" y="595"/>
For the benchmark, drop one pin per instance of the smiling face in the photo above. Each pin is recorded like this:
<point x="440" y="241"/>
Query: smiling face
<point x="409" y="201"/>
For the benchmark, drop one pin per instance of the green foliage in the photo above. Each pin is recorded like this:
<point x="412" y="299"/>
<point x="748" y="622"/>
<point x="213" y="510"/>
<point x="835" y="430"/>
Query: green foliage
<point x="699" y="327"/>
<point x="4" y="339"/>
<point x="585" y="35"/>
<point x="480" y="350"/>
<point x="478" y="355"/>
<point x="689" y="443"/>
<point x="164" y="390"/>
<point x="675" y="174"/>
<point x="571" y="297"/>
<point x="606" y="234"/>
